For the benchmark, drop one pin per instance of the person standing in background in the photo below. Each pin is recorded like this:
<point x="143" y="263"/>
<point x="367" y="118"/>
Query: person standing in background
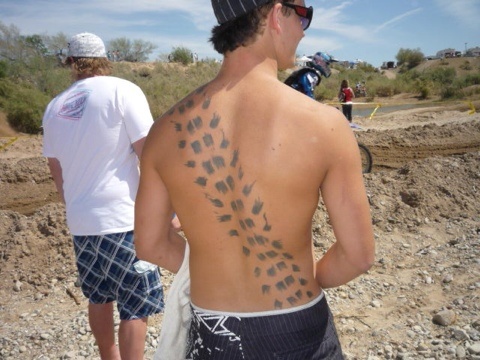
<point x="94" y="133"/>
<point x="345" y="96"/>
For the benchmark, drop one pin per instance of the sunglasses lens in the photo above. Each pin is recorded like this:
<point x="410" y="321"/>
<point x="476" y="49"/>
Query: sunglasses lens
<point x="304" y="13"/>
<point x="301" y="11"/>
<point x="305" y="22"/>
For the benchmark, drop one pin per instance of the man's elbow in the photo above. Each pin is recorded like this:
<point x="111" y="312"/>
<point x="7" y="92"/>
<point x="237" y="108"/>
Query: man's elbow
<point x="367" y="264"/>
<point x="365" y="261"/>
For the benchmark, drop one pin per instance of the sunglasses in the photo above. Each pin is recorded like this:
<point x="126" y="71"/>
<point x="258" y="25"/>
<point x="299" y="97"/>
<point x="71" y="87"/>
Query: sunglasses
<point x="303" y="12"/>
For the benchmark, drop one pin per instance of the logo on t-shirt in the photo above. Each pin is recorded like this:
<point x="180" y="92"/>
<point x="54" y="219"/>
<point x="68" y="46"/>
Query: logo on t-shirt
<point x="75" y="105"/>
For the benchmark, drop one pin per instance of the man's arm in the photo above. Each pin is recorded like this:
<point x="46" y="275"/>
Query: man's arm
<point x="56" y="171"/>
<point x="138" y="148"/>
<point x="156" y="241"/>
<point x="344" y="195"/>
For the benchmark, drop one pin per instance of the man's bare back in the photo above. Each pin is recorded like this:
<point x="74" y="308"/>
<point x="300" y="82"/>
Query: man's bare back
<point x="242" y="161"/>
<point x="257" y="171"/>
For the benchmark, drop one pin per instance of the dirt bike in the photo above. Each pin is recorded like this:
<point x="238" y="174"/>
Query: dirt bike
<point x="367" y="160"/>
<point x="365" y="154"/>
<point x="361" y="91"/>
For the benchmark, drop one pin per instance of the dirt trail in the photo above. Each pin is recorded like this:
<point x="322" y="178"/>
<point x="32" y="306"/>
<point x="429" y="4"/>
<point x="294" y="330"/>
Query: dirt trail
<point x="424" y="194"/>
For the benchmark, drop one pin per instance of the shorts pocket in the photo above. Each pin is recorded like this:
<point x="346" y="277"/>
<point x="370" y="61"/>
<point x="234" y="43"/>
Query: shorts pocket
<point x="143" y="266"/>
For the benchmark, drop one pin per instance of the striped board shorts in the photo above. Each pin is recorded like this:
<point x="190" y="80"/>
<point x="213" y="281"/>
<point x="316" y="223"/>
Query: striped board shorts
<point x="298" y="333"/>
<point x="110" y="271"/>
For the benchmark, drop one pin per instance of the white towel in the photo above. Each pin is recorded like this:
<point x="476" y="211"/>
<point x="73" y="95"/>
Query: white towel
<point x="176" y="319"/>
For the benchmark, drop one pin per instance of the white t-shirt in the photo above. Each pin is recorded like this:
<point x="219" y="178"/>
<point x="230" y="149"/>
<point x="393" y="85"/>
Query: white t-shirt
<point x="90" y="129"/>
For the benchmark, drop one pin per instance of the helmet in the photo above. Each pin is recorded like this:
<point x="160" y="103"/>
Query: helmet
<point x="321" y="62"/>
<point x="316" y="69"/>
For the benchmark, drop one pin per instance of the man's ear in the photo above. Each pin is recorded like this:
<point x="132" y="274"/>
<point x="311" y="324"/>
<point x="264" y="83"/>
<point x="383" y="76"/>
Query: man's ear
<point x="275" y="17"/>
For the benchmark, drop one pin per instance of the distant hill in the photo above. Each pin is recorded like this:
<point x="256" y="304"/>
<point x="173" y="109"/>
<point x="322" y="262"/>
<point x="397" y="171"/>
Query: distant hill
<point x="463" y="65"/>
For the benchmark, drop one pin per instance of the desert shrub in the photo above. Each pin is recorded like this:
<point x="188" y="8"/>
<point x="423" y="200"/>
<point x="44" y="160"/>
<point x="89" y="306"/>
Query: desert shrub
<point x="402" y="85"/>
<point x="466" y="65"/>
<point x="366" y="68"/>
<point x="325" y="94"/>
<point x="123" y="70"/>
<point x="23" y="115"/>
<point x="384" y="90"/>
<point x="144" y="72"/>
<point x="164" y="84"/>
<point x="202" y="72"/>
<point x="170" y="82"/>
<point x="451" y="91"/>
<point x="3" y="69"/>
<point x="472" y="79"/>
<point x="54" y="81"/>
<point x="424" y="91"/>
<point x="409" y="58"/>
<point x="440" y="75"/>
<point x="181" y="55"/>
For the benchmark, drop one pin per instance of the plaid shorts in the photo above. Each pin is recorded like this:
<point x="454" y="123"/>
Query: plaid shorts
<point x="110" y="271"/>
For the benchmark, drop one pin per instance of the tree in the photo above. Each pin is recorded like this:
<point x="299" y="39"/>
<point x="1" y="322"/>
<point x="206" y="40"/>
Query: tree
<point x="126" y="50"/>
<point x="22" y="51"/>
<point x="181" y="54"/>
<point x="11" y="48"/>
<point x="57" y="45"/>
<point x="35" y="44"/>
<point x="409" y="57"/>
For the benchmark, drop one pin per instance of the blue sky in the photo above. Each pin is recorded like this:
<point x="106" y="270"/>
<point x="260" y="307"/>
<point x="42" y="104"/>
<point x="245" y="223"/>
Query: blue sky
<point x="370" y="30"/>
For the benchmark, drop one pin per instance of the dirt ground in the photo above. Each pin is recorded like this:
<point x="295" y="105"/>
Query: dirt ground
<point x="424" y="193"/>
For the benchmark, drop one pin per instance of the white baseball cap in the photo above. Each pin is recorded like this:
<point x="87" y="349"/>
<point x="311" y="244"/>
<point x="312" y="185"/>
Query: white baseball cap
<point x="86" y="45"/>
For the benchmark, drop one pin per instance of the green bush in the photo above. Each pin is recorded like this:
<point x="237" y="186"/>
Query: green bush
<point x="169" y="82"/>
<point x="22" y="115"/>
<point x="466" y="65"/>
<point x="385" y="91"/>
<point x="409" y="58"/>
<point x="3" y="69"/>
<point x="424" y="92"/>
<point x="25" y="89"/>
<point x="181" y="55"/>
<point x="440" y="76"/>
<point x="450" y="92"/>
<point x="144" y="72"/>
<point x="472" y="79"/>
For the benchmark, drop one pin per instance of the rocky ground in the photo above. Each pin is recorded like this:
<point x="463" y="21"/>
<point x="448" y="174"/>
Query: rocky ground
<point x="421" y="299"/>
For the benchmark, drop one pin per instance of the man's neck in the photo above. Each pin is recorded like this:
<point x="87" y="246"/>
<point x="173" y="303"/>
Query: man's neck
<point x="83" y="77"/>
<point x="245" y="61"/>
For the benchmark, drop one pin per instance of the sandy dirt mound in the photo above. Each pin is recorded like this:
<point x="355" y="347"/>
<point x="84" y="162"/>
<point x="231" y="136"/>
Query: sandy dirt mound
<point x="419" y="301"/>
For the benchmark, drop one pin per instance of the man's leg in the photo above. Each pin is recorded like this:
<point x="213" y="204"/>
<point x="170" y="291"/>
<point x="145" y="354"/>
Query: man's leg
<point x="101" y="323"/>
<point x="131" y="338"/>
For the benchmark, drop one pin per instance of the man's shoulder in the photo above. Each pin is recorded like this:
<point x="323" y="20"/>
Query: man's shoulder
<point x="112" y="83"/>
<point x="107" y="80"/>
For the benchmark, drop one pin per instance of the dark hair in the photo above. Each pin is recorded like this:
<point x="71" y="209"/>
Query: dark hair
<point x="241" y="31"/>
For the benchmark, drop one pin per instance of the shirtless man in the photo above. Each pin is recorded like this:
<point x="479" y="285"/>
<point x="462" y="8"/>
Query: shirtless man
<point x="241" y="160"/>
